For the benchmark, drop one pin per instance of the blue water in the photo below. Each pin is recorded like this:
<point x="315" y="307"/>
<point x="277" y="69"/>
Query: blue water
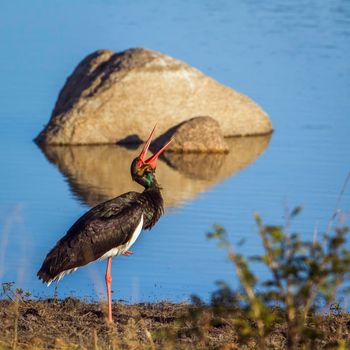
<point x="291" y="57"/>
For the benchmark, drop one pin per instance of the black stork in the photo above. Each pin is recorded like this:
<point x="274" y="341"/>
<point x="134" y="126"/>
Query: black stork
<point x="110" y="228"/>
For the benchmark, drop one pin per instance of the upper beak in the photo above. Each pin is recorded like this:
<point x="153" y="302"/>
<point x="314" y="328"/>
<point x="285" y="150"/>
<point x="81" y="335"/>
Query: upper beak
<point x="152" y="161"/>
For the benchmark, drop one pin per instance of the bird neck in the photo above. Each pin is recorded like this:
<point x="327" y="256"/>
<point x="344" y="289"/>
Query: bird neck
<point x="153" y="193"/>
<point x="147" y="181"/>
<point x="152" y="205"/>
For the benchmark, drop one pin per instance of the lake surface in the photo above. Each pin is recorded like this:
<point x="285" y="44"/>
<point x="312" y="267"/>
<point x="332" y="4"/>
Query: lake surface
<point x="291" y="57"/>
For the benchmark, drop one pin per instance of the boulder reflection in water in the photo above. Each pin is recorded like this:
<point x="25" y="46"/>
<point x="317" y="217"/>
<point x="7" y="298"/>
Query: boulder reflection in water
<point x="99" y="173"/>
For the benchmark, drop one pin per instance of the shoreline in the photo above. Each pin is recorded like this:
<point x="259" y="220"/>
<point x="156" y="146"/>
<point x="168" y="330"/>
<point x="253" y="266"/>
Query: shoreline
<point x="76" y="324"/>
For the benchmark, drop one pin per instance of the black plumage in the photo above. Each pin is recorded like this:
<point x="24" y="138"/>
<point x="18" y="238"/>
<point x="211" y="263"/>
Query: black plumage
<point x="106" y="226"/>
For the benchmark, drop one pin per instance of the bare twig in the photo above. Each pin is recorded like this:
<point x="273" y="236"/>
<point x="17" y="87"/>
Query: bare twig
<point x="336" y="210"/>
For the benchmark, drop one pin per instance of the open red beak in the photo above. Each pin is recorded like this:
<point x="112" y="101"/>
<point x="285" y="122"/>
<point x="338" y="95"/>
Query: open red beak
<point x="152" y="161"/>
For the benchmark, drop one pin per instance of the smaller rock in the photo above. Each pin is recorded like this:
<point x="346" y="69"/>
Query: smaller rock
<point x="196" y="135"/>
<point x="131" y="139"/>
<point x="131" y="142"/>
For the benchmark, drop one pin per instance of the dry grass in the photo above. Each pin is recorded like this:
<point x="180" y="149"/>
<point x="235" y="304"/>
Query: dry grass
<point x="75" y="324"/>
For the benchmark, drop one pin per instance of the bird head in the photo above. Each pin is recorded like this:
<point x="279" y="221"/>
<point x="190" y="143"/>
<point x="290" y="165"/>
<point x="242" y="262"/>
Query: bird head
<point x="142" y="169"/>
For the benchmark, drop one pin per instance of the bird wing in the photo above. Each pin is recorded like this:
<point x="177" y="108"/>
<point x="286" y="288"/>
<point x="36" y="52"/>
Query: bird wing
<point x="104" y="210"/>
<point x="106" y="226"/>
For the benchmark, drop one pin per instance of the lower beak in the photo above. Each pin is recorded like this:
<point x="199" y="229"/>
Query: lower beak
<point x="152" y="161"/>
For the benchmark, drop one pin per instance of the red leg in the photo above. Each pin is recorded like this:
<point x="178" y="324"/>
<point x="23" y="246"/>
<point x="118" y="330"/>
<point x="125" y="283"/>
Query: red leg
<point x="108" y="284"/>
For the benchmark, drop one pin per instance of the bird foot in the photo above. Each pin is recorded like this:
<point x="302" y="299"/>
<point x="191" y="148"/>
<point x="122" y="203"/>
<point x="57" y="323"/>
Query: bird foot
<point x="128" y="253"/>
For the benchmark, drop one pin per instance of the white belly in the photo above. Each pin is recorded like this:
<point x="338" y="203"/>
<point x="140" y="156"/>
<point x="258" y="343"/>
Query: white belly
<point x="123" y="248"/>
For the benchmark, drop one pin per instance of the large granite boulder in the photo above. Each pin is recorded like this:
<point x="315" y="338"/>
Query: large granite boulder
<point x="110" y="96"/>
<point x="199" y="135"/>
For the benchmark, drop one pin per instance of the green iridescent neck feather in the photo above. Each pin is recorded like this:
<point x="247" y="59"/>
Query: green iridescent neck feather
<point x="149" y="179"/>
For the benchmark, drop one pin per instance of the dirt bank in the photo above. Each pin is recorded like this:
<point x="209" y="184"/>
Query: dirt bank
<point x="75" y="324"/>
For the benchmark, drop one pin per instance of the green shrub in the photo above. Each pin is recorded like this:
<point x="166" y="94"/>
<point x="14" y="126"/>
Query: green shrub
<point x="303" y="276"/>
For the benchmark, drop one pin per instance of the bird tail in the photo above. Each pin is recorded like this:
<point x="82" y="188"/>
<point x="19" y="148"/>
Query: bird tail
<point x="44" y="275"/>
<point x="51" y="269"/>
<point x="56" y="265"/>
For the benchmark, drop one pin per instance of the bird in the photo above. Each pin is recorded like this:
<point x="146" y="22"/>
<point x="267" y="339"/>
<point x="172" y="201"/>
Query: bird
<point x="110" y="228"/>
